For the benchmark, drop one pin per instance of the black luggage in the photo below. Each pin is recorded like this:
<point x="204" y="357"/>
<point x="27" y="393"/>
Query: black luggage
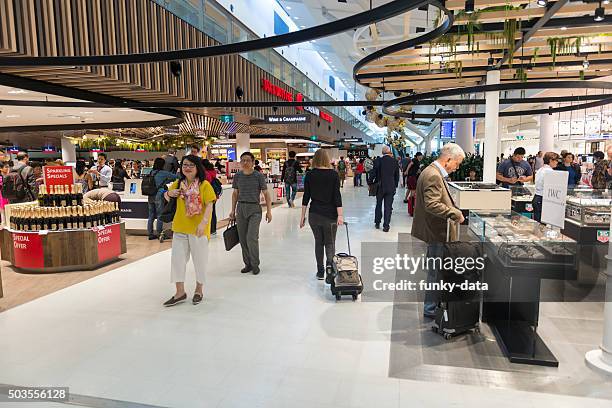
<point x="458" y="313"/>
<point x="343" y="274"/>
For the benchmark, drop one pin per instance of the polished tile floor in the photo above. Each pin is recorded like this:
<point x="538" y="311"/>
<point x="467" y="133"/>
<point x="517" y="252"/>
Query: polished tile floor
<point x="274" y="340"/>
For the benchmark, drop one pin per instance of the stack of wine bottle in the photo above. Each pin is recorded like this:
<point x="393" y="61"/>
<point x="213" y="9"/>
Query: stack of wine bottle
<point x="62" y="208"/>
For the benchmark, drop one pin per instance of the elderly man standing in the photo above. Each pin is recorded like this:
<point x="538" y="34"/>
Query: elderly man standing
<point x="387" y="177"/>
<point x="434" y="207"/>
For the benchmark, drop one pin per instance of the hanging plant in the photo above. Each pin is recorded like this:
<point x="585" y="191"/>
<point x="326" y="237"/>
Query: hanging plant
<point x="552" y="45"/>
<point x="471" y="25"/>
<point x="521" y="75"/>
<point x="582" y="75"/>
<point x="511" y="27"/>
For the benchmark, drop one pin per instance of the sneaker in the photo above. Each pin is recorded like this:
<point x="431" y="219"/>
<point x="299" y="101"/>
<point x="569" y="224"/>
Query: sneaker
<point x="197" y="298"/>
<point x="174" y="301"/>
<point x="256" y="271"/>
<point x="320" y="275"/>
<point x="246" y="269"/>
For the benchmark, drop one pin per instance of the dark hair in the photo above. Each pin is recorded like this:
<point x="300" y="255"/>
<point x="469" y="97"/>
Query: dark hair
<point x="159" y="163"/>
<point x="80" y="167"/>
<point x="598" y="155"/>
<point x="519" y="151"/>
<point x="11" y="163"/>
<point x="257" y="162"/>
<point x="418" y="154"/>
<point x="103" y="155"/>
<point x="5" y="163"/>
<point x="471" y="170"/>
<point x="248" y="154"/>
<point x="118" y="164"/>
<point x="201" y="174"/>
<point x="208" y="166"/>
<point x="564" y="155"/>
<point x="291" y="154"/>
<point x="548" y="156"/>
<point x="21" y="156"/>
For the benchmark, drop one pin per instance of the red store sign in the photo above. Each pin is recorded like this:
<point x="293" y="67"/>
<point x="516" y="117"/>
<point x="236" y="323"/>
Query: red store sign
<point x="109" y="242"/>
<point x="28" y="250"/>
<point x="279" y="92"/>
<point x="58" y="175"/>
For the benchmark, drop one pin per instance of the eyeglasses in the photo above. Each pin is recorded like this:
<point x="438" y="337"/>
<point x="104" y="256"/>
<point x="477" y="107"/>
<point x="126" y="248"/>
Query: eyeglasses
<point x="188" y="166"/>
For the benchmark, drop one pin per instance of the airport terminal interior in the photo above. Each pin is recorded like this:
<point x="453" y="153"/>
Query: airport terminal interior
<point x="305" y="203"/>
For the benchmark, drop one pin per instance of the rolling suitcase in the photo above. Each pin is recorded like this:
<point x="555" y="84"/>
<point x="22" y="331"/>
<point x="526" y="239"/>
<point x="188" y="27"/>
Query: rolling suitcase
<point x="343" y="274"/>
<point x="411" y="202"/>
<point x="459" y="313"/>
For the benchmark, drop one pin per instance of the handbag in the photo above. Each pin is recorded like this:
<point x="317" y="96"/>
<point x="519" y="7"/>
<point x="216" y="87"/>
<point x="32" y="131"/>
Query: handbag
<point x="169" y="210"/>
<point x="230" y="236"/>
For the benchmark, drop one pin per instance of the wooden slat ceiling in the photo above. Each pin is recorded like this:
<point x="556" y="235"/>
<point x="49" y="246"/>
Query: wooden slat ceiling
<point x="94" y="27"/>
<point x="439" y="65"/>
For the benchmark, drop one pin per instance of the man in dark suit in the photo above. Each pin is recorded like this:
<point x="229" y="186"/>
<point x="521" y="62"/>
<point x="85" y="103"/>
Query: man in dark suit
<point x="387" y="178"/>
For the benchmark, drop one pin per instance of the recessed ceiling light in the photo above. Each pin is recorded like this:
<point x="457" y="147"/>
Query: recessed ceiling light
<point x="288" y="7"/>
<point x="13" y="116"/>
<point x="563" y="28"/>
<point x="296" y="18"/>
<point x="17" y="91"/>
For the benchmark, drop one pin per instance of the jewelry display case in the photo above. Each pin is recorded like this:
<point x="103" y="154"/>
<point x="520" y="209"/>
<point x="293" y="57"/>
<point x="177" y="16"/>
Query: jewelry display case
<point x="479" y="196"/>
<point x="588" y="209"/>
<point x="522" y="198"/>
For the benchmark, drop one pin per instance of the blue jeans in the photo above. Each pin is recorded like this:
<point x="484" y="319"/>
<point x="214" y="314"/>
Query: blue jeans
<point x="357" y="180"/>
<point x="290" y="191"/>
<point x="155" y="210"/>
<point x="434" y="250"/>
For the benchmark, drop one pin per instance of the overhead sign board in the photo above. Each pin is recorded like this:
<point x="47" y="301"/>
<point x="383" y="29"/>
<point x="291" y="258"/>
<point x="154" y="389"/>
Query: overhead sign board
<point x="226" y="118"/>
<point x="287" y="119"/>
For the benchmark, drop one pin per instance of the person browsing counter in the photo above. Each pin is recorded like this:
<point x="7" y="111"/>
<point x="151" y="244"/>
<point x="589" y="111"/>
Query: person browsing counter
<point x="248" y="185"/>
<point x="101" y="173"/>
<point x="191" y="226"/>
<point x="551" y="160"/>
<point x="322" y="191"/>
<point x="514" y="171"/>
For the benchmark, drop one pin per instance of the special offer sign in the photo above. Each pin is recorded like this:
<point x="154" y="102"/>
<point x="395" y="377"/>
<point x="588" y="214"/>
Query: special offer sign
<point x="28" y="250"/>
<point x="109" y="242"/>
<point x="58" y="175"/>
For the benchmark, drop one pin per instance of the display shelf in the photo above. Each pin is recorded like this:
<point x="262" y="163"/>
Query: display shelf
<point x="60" y="251"/>
<point x="479" y="196"/>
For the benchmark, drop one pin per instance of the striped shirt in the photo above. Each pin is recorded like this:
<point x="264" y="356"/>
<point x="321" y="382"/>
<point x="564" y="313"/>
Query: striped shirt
<point x="249" y="186"/>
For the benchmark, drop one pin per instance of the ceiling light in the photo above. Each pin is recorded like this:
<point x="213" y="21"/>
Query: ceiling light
<point x="563" y="28"/>
<point x="288" y="7"/>
<point x="302" y="26"/>
<point x="585" y="64"/>
<point x="296" y="18"/>
<point x="469" y="6"/>
<point x="605" y="2"/>
<point x="86" y="113"/>
<point x="542" y="3"/>
<point x="17" y="91"/>
<point x="13" y="116"/>
<point x="126" y="110"/>
<point x="599" y="13"/>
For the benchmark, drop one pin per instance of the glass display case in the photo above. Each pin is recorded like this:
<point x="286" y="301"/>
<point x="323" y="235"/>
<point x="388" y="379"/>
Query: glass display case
<point x="523" y="193"/>
<point x="588" y="208"/>
<point x="479" y="196"/>
<point x="520" y="240"/>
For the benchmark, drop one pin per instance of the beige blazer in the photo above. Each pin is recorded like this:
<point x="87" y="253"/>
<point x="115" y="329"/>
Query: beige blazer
<point x="433" y="208"/>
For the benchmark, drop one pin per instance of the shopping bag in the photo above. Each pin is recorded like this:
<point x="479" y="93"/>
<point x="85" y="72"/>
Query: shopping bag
<point x="230" y="236"/>
<point x="169" y="210"/>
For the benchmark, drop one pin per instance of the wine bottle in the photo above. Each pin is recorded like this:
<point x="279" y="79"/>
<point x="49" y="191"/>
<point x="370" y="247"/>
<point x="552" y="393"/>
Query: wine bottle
<point x="73" y="196"/>
<point x="26" y="223"/>
<point x="117" y="213"/>
<point x="109" y="214"/>
<point x="79" y="192"/>
<point x="50" y="196"/>
<point x="81" y="218"/>
<point x="42" y="192"/>
<point x="20" y="220"/>
<point x="87" y="217"/>
<point x="38" y="224"/>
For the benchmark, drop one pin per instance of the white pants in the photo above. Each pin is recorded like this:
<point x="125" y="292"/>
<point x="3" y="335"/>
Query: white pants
<point x="184" y="246"/>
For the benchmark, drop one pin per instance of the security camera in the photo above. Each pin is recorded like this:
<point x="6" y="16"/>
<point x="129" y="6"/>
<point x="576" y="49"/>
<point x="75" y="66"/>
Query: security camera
<point x="175" y="68"/>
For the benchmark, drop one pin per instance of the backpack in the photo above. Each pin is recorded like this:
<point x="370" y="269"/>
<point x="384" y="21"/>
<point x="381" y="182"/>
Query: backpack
<point x="148" y="186"/>
<point x="216" y="185"/>
<point x="290" y="173"/>
<point x="15" y="187"/>
<point x="341" y="165"/>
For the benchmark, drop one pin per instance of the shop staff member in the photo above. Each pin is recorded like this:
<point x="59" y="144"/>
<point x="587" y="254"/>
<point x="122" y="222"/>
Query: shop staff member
<point x="551" y="160"/>
<point x="191" y="226"/>
<point x="101" y="173"/>
<point x="248" y="185"/>
<point x="434" y="207"/>
<point x="514" y="171"/>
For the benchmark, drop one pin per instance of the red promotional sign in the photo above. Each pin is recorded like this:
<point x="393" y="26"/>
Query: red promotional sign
<point x="58" y="175"/>
<point x="28" y="250"/>
<point x="109" y="242"/>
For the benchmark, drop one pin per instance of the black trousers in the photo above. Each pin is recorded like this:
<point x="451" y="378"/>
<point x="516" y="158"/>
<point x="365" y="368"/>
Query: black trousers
<point x="537" y="208"/>
<point x="387" y="199"/>
<point x="324" y="230"/>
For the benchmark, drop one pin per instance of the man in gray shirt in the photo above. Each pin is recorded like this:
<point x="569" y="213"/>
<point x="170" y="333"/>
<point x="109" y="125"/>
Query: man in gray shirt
<point x="248" y="185"/>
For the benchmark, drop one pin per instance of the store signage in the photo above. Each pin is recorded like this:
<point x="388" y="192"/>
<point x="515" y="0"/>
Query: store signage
<point x="553" y="198"/>
<point x="134" y="209"/>
<point x="58" y="175"/>
<point x="222" y="146"/>
<point x="279" y="92"/>
<point x="28" y="250"/>
<point x="13" y="149"/>
<point x="48" y="149"/>
<point x="275" y="168"/>
<point x="520" y="137"/>
<point x="351" y="140"/>
<point x="226" y="118"/>
<point x="529" y="207"/>
<point x="286" y="119"/>
<point x="109" y="242"/>
<point x="603" y="236"/>
<point x="96" y="150"/>
<point x="231" y="168"/>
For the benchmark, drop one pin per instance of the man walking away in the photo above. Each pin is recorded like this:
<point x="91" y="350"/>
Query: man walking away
<point x="248" y="185"/>
<point x="387" y="178"/>
<point x="291" y="168"/>
<point x="172" y="163"/>
<point x="341" y="171"/>
<point x="434" y="207"/>
<point x="20" y="184"/>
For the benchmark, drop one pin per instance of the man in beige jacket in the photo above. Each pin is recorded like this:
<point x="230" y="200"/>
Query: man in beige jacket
<point x="434" y="207"/>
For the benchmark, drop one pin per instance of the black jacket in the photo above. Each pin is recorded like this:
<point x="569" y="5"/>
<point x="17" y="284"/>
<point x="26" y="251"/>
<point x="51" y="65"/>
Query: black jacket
<point x="172" y="163"/>
<point x="387" y="174"/>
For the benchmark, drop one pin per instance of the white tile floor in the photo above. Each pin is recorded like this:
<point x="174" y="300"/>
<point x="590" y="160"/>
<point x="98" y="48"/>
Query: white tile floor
<point x="273" y="340"/>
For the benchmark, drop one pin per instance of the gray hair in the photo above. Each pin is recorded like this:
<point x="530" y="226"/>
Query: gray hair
<point x="386" y="149"/>
<point x="453" y="150"/>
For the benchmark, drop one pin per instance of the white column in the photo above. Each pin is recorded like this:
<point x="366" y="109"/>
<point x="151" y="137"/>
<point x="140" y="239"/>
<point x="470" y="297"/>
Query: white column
<point x="491" y="138"/>
<point x="243" y="144"/>
<point x="68" y="151"/>
<point x="547" y="137"/>
<point x="465" y="132"/>
<point x="601" y="359"/>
